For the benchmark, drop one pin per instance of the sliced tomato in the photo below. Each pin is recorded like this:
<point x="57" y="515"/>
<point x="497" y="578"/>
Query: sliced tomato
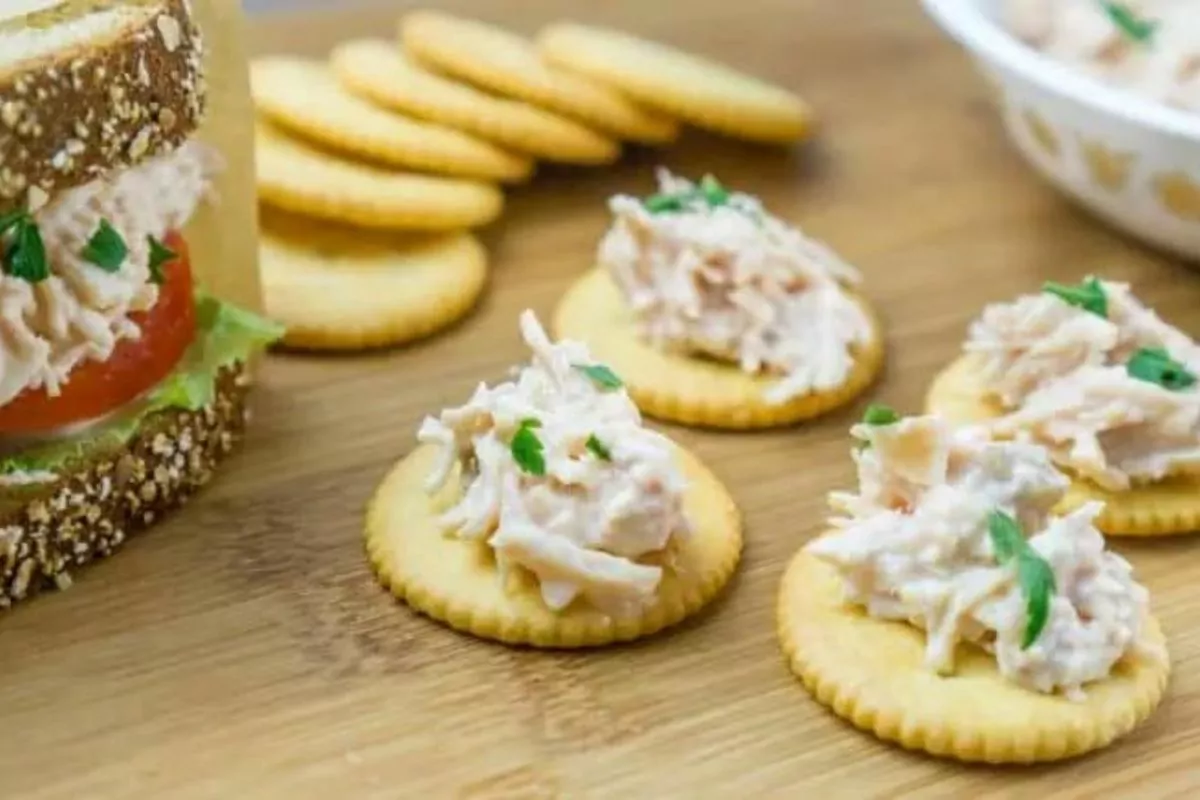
<point x="95" y="388"/>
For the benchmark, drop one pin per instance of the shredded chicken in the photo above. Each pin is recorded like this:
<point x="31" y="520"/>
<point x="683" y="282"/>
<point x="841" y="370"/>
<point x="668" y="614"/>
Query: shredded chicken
<point x="1165" y="66"/>
<point x="603" y="520"/>
<point x="1059" y="372"/>
<point x="736" y="283"/>
<point x="914" y="545"/>
<point x="81" y="312"/>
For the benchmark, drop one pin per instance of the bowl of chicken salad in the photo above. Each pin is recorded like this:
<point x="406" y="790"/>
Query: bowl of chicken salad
<point x="1102" y="99"/>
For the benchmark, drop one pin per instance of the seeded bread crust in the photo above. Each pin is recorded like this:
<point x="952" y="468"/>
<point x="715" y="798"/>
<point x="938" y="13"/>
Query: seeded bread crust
<point x="94" y="507"/>
<point x="99" y="105"/>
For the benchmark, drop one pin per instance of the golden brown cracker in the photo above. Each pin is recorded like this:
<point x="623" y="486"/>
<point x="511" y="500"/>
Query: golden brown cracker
<point x="379" y="71"/>
<point x="338" y="288"/>
<point x="502" y="62"/>
<point x="303" y="96"/>
<point x="1162" y="508"/>
<point x="693" y="89"/>
<point x="456" y="581"/>
<point x="296" y="177"/>
<point x="871" y="672"/>
<point x="686" y="389"/>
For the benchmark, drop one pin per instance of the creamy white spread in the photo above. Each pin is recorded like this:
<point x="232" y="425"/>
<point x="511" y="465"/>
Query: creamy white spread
<point x="81" y="312"/>
<point x="1082" y="33"/>
<point x="602" y="521"/>
<point x="1060" y="374"/>
<point x="733" y="282"/>
<point x="913" y="545"/>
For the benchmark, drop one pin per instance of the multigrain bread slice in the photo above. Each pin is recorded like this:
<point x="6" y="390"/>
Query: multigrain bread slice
<point x="92" y="86"/>
<point x="96" y="503"/>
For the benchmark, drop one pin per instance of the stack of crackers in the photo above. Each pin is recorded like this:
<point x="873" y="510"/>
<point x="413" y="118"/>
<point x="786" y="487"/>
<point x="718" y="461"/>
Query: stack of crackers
<point x="374" y="166"/>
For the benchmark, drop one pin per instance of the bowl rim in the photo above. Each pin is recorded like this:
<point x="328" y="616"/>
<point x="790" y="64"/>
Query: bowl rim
<point x="965" y="22"/>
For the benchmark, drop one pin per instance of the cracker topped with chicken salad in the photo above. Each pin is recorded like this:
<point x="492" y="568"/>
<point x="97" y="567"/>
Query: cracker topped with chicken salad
<point x="1106" y="385"/>
<point x="720" y="314"/>
<point x="543" y="512"/>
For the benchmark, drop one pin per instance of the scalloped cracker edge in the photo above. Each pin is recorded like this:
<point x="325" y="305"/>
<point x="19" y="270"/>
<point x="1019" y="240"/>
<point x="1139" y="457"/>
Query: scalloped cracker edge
<point x="1169" y="507"/>
<point x="344" y="289"/>
<point x="686" y="389"/>
<point x="871" y="673"/>
<point x="456" y="582"/>
<point x="697" y="90"/>
<point x="503" y="63"/>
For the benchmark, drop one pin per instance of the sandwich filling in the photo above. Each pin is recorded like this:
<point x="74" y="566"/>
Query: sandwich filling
<point x="99" y="316"/>
<point x="709" y="272"/>
<point x="951" y="531"/>
<point x="1096" y="377"/>
<point x="1151" y="47"/>
<point x="561" y="479"/>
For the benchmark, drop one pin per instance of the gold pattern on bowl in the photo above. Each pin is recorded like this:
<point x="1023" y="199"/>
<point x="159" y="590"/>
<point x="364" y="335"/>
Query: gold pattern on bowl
<point x="1108" y="168"/>
<point x="1179" y="194"/>
<point x="1043" y="134"/>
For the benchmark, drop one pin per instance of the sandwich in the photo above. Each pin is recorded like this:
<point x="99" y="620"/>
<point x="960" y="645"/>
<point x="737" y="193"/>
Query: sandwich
<point x="122" y="382"/>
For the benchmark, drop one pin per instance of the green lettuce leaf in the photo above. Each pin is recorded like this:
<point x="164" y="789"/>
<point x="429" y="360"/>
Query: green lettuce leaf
<point x="225" y="335"/>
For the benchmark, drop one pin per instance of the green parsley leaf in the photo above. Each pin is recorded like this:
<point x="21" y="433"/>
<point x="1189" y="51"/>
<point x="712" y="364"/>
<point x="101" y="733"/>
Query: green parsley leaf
<point x="663" y="203"/>
<point x="1133" y="26"/>
<point x="1155" y="365"/>
<point x="527" y="449"/>
<point x="879" y="414"/>
<point x="598" y="449"/>
<point x="1037" y="584"/>
<point x="1034" y="574"/>
<point x="160" y="256"/>
<point x="106" y="249"/>
<point x="1007" y="539"/>
<point x="713" y="192"/>
<point x="1088" y="295"/>
<point x="601" y="375"/>
<point x="25" y="256"/>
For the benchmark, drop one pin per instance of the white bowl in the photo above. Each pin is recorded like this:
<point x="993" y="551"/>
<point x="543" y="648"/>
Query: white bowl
<point x="1132" y="161"/>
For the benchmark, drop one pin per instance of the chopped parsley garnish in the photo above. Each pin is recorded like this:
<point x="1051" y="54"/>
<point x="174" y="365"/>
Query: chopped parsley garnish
<point x="708" y="191"/>
<point x="1132" y="25"/>
<point x="106" y="249"/>
<point x="160" y="256"/>
<point x="1155" y="365"/>
<point x="1034" y="574"/>
<point x="600" y="375"/>
<point x="24" y="254"/>
<point x="598" y="449"/>
<point x="527" y="449"/>
<point x="1088" y="295"/>
<point x="877" y="414"/>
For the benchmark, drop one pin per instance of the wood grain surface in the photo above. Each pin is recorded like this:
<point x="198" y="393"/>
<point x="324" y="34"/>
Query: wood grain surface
<point x="243" y="649"/>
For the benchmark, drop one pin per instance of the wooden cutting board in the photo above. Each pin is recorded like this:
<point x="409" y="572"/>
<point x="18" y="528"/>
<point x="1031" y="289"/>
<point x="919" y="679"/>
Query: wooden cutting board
<point x="243" y="649"/>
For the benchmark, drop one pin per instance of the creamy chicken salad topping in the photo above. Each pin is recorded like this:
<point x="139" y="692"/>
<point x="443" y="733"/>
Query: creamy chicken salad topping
<point x="1151" y="47"/>
<point x="77" y="267"/>
<point x="1096" y="377"/>
<point x="560" y="478"/>
<point x="709" y="271"/>
<point x="936" y="536"/>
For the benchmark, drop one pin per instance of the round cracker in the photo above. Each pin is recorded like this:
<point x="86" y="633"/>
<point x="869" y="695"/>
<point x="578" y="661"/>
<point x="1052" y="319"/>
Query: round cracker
<point x="1167" y="507"/>
<point x="339" y="288"/>
<point x="379" y="72"/>
<point x="680" y="388"/>
<point x="298" y="178"/>
<point x="456" y="582"/>
<point x="502" y="62"/>
<point x="694" y="89"/>
<point x="304" y="97"/>
<point x="871" y="672"/>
